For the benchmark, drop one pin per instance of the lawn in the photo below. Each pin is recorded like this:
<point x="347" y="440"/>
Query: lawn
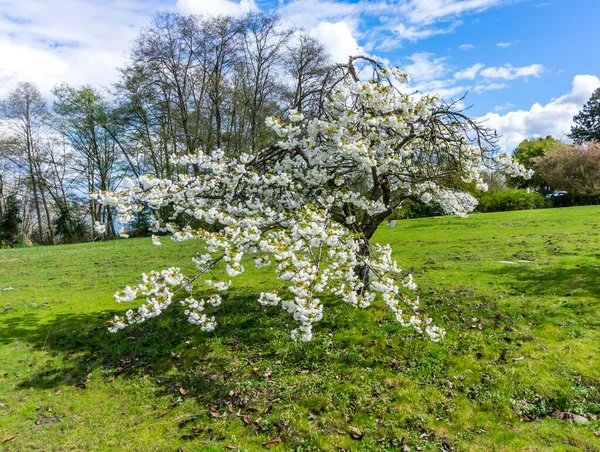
<point x="518" y="370"/>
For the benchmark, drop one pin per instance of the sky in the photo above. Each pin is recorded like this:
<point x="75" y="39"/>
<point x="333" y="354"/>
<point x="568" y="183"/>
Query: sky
<point x="526" y="66"/>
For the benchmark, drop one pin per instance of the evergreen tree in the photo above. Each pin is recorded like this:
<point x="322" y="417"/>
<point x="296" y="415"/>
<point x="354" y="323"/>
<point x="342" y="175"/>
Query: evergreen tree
<point x="587" y="121"/>
<point x="9" y="222"/>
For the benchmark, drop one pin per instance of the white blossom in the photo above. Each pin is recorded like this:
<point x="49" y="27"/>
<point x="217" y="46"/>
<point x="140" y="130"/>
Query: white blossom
<point x="309" y="212"/>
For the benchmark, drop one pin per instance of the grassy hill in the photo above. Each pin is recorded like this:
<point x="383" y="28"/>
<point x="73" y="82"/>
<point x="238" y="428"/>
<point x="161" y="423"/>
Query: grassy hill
<point x="520" y="363"/>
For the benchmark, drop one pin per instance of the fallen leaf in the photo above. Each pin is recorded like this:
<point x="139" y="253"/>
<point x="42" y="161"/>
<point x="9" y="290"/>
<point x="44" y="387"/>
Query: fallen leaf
<point x="164" y="413"/>
<point x="111" y="378"/>
<point x="183" y="391"/>
<point x="311" y="417"/>
<point x="58" y="392"/>
<point x="520" y="358"/>
<point x="10" y="438"/>
<point x="341" y="432"/>
<point x="355" y="433"/>
<point x="272" y="443"/>
<point x="81" y="386"/>
<point x="268" y="373"/>
<point x="214" y="413"/>
<point x="231" y="447"/>
<point x="187" y="420"/>
<point x="268" y="410"/>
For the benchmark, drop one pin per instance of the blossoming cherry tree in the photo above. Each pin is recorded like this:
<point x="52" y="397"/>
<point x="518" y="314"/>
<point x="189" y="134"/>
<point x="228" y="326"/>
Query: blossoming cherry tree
<point x="308" y="205"/>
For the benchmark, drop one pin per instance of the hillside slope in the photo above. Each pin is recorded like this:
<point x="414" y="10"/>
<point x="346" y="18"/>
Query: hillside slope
<point x="519" y="369"/>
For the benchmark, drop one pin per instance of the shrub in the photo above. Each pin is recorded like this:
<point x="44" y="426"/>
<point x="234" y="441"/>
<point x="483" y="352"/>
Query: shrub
<point x="501" y="201"/>
<point x="418" y="210"/>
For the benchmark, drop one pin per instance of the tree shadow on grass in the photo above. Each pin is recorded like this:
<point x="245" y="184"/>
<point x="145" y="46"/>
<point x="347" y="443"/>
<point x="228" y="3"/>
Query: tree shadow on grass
<point x="548" y="281"/>
<point x="578" y="290"/>
<point x="170" y="350"/>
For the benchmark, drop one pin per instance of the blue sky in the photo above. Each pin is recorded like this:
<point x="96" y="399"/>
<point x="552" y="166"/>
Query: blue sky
<point x="528" y="65"/>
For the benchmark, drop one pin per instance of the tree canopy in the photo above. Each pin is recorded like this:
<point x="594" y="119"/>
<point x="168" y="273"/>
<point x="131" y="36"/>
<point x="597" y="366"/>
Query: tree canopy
<point x="309" y="203"/>
<point x="587" y="121"/>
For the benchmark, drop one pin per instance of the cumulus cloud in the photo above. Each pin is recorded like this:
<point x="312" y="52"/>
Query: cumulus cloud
<point x="466" y="47"/>
<point x="338" y="39"/>
<point x="216" y="7"/>
<point x="23" y="62"/>
<point x="77" y="41"/>
<point x="508" y="72"/>
<point x="555" y="118"/>
<point x="469" y="73"/>
<point x="425" y="66"/>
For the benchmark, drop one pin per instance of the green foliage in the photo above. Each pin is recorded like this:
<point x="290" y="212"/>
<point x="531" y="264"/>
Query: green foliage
<point x="587" y="121"/>
<point x="417" y="210"/>
<point x="574" y="169"/>
<point x="10" y="222"/>
<point x="502" y="201"/>
<point x="69" y="226"/>
<point x="532" y="148"/>
<point x="525" y="153"/>
<point x="519" y="361"/>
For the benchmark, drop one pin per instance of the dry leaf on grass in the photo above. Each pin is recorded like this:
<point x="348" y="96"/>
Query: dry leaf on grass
<point x="272" y="443"/>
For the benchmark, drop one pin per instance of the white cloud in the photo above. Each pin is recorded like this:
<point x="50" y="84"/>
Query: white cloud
<point x="466" y="47"/>
<point x="77" y="41"/>
<point x="508" y="72"/>
<point x="338" y="39"/>
<point x="490" y="87"/>
<point x="425" y="67"/>
<point x="469" y="73"/>
<point x="387" y="23"/>
<point x="506" y="106"/>
<point x="414" y="33"/>
<point x="25" y="63"/>
<point x="504" y="45"/>
<point x="216" y="7"/>
<point x="555" y="118"/>
<point x="429" y="11"/>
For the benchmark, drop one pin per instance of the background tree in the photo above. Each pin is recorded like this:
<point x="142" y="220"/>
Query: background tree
<point x="81" y="117"/>
<point x="307" y="62"/>
<point x="587" y="121"/>
<point x="572" y="168"/>
<point x="26" y="113"/>
<point x="525" y="153"/>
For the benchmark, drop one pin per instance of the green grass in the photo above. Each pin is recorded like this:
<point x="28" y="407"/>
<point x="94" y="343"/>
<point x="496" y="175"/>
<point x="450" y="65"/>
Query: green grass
<point x="522" y="354"/>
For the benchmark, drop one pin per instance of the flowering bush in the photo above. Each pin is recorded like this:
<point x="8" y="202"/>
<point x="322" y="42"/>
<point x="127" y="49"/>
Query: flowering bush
<point x="308" y="205"/>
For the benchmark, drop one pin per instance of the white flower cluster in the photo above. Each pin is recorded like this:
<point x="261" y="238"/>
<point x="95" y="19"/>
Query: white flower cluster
<point x="311" y="211"/>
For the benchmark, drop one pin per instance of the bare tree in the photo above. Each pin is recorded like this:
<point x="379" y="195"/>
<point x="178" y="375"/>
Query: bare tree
<point x="79" y="115"/>
<point x="307" y="62"/>
<point x="26" y="113"/>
